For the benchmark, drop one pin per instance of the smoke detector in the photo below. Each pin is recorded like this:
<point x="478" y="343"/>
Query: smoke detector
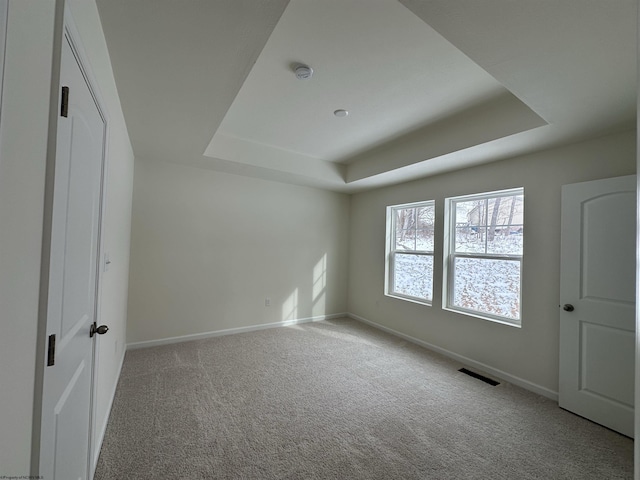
<point x="303" y="72"/>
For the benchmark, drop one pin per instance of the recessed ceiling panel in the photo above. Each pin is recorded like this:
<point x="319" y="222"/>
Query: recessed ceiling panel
<point x="430" y="85"/>
<point x="374" y="58"/>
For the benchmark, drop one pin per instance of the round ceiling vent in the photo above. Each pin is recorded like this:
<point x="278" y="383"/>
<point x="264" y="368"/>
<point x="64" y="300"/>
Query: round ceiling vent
<point x="303" y="72"/>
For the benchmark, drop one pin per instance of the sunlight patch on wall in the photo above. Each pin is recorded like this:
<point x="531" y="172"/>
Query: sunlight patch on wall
<point x="290" y="306"/>
<point x="319" y="288"/>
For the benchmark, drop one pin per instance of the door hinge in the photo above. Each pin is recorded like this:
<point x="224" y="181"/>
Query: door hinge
<point x="64" y="104"/>
<point x="51" y="350"/>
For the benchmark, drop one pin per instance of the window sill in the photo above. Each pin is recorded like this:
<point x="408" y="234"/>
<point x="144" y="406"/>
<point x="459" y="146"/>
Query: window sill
<point x="419" y="301"/>
<point x="516" y="324"/>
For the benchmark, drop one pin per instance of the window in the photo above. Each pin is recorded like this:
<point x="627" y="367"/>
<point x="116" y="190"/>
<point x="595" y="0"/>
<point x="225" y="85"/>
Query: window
<point x="483" y="255"/>
<point x="409" y="265"/>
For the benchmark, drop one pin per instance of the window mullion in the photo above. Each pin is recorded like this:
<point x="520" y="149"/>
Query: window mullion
<point x="488" y="256"/>
<point x="486" y="224"/>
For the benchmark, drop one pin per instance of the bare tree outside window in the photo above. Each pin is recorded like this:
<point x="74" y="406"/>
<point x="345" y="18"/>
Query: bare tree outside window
<point x="410" y="251"/>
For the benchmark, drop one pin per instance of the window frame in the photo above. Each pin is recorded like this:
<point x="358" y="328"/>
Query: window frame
<point x="450" y="256"/>
<point x="389" y="287"/>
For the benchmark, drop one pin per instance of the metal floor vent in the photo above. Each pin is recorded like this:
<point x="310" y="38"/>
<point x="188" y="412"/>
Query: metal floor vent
<point x="490" y="381"/>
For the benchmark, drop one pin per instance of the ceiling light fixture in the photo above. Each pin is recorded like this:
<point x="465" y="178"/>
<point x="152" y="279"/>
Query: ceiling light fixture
<point x="341" y="113"/>
<point x="303" y="72"/>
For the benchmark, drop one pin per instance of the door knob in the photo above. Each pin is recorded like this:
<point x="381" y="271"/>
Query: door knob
<point x="567" y="307"/>
<point x="101" y="330"/>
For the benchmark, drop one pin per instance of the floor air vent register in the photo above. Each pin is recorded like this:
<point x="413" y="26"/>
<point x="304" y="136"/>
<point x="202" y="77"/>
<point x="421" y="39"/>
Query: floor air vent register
<point x="490" y="381"/>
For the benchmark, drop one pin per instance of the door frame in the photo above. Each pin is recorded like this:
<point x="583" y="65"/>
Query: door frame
<point x="67" y="31"/>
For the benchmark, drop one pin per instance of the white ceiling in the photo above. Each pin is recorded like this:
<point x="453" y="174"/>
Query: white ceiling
<point x="374" y="58"/>
<point x="430" y="86"/>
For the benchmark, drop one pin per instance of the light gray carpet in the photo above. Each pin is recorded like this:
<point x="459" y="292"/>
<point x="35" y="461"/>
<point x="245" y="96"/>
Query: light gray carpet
<point x="337" y="400"/>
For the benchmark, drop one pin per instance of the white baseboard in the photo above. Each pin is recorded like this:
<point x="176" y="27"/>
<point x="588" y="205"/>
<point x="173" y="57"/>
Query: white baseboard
<point x="231" y="331"/>
<point x="533" y="387"/>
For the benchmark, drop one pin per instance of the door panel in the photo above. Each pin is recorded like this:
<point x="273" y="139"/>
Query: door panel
<point x="607" y="357"/>
<point x="597" y="337"/>
<point x="604" y="236"/>
<point x="73" y="278"/>
<point x="81" y="225"/>
<point x="70" y="461"/>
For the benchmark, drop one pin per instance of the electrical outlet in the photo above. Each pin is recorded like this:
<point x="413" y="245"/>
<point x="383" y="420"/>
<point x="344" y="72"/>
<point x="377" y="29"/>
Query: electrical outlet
<point x="267" y="302"/>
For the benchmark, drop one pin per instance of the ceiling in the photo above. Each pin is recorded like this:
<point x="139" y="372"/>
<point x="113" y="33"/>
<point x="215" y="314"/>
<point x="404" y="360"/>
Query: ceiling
<point x="430" y="85"/>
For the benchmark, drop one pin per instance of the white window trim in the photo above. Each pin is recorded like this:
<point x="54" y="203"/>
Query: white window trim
<point x="449" y="258"/>
<point x="389" y="254"/>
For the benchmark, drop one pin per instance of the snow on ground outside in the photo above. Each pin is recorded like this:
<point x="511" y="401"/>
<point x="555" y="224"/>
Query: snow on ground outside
<point x="488" y="286"/>
<point x="485" y="285"/>
<point x="414" y="275"/>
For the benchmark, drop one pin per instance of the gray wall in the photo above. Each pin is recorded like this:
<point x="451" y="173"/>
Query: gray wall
<point x="530" y="353"/>
<point x="208" y="247"/>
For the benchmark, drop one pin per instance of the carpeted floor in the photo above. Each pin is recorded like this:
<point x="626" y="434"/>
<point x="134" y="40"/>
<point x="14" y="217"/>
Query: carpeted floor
<point x="337" y="400"/>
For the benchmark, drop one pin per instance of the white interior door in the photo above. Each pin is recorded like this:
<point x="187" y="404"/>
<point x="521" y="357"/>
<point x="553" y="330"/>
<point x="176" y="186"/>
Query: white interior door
<point x="73" y="278"/>
<point x="597" y="294"/>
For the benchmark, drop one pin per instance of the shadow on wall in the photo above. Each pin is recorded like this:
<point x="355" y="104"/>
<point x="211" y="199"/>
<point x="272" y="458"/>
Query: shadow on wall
<point x="290" y="307"/>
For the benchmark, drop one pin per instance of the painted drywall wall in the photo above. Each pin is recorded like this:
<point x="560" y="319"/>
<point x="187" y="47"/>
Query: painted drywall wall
<point x="24" y="129"/>
<point x="529" y="353"/>
<point x="117" y="217"/>
<point x="23" y="154"/>
<point x="209" y="247"/>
